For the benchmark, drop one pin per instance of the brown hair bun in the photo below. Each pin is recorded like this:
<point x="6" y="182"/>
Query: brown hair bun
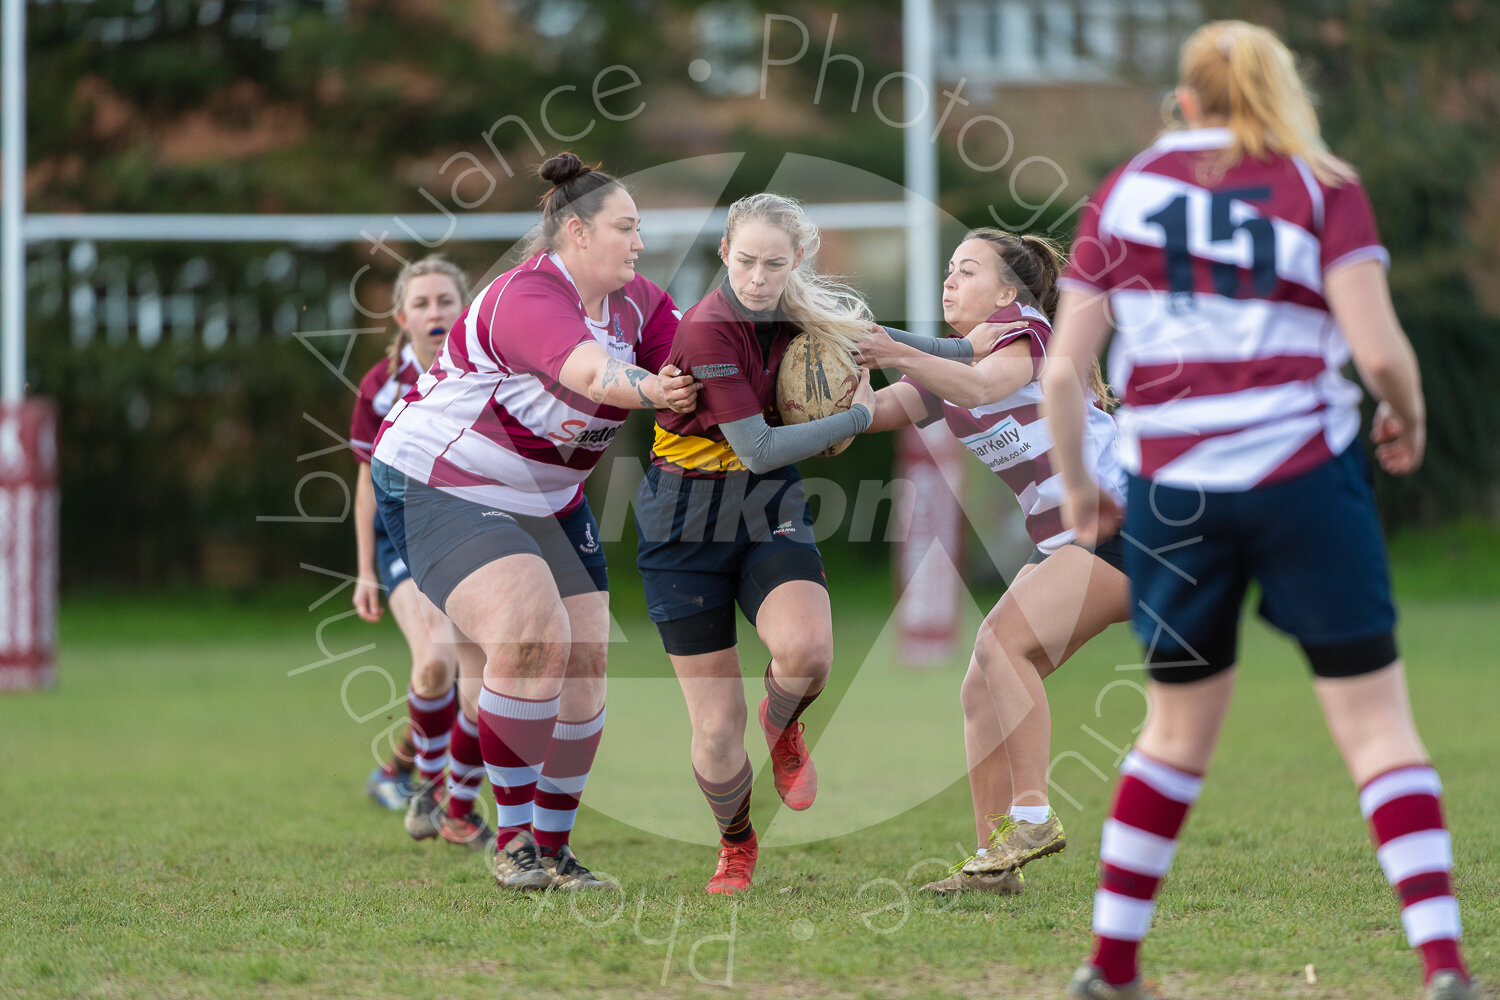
<point x="562" y="168"/>
<point x="577" y="190"/>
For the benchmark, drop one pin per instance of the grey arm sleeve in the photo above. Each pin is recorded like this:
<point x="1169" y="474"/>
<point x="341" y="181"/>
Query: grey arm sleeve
<point x="763" y="447"/>
<point x="952" y="348"/>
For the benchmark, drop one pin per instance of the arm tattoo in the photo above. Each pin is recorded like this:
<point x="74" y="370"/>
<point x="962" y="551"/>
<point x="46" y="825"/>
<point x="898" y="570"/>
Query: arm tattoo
<point x="617" y="372"/>
<point x="635" y="376"/>
<point x="610" y="377"/>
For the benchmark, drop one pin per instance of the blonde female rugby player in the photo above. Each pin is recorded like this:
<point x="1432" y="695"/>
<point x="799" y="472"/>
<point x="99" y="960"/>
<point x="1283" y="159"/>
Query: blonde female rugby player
<point x="723" y="519"/>
<point x="1240" y="260"/>
<point x="429" y="294"/>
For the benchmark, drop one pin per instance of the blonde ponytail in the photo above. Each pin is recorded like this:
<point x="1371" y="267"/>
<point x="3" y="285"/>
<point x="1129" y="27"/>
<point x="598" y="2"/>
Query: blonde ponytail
<point x="1247" y="76"/>
<point x="818" y="304"/>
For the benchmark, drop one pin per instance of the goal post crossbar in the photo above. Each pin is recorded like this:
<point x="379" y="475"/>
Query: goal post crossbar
<point x="430" y="229"/>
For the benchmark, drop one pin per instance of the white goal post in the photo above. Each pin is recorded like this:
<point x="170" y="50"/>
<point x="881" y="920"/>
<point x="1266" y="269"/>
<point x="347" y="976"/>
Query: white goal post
<point x="916" y="215"/>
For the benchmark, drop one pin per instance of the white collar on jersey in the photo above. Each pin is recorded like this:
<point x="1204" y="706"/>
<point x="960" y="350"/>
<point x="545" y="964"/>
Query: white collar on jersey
<point x="1031" y="312"/>
<point x="598" y="324"/>
<point x="1194" y="138"/>
<point x="408" y="356"/>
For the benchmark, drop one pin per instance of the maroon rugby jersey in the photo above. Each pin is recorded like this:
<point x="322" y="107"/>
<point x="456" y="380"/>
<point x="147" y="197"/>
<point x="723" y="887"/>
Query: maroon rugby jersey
<point x="378" y="392"/>
<point x="1226" y="349"/>
<point x="716" y="342"/>
<point x="491" y="423"/>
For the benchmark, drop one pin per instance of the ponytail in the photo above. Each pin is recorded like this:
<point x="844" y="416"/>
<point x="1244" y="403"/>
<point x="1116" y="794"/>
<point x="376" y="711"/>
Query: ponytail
<point x="1246" y="75"/>
<point x="1031" y="264"/>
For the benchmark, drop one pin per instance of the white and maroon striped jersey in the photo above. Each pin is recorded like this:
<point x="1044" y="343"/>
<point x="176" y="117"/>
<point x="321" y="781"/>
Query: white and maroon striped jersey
<point x="1225" y="346"/>
<point x="1013" y="439"/>
<point x="491" y="423"/>
<point x="378" y="392"/>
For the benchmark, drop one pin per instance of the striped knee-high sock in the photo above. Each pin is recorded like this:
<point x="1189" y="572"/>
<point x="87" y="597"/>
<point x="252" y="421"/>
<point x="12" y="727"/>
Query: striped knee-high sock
<point x="1140" y="837"/>
<point x="513" y="737"/>
<point x="431" y="724"/>
<point x="730" y="802"/>
<point x="565" y="771"/>
<point x="465" y="767"/>
<point x="783" y="708"/>
<point x="1405" y="813"/>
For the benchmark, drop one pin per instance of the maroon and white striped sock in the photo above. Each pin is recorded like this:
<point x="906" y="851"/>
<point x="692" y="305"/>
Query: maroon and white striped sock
<point x="565" y="771"/>
<point x="465" y="767"/>
<point x="1140" y="837"/>
<point x="783" y="708"/>
<point x="431" y="723"/>
<point x="513" y="737"/>
<point x="730" y="802"/>
<point x="1415" y="851"/>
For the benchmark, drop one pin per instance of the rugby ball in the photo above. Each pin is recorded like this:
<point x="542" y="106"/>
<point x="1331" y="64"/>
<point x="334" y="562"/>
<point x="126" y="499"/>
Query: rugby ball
<point x="817" y="378"/>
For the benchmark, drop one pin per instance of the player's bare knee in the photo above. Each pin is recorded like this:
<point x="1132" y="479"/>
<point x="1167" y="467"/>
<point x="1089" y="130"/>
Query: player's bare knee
<point x="1001" y="660"/>
<point x="432" y="675"/>
<point x="974" y="696"/>
<point x="1022" y="652"/>
<point x="528" y="658"/>
<point x="809" y="659"/>
<point x="539" y="658"/>
<point x="719" y="737"/>
<point x="587" y="660"/>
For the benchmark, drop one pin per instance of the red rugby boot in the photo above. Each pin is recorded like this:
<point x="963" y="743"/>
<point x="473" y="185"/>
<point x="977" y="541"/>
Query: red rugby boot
<point x="791" y="764"/>
<point x="736" y="865"/>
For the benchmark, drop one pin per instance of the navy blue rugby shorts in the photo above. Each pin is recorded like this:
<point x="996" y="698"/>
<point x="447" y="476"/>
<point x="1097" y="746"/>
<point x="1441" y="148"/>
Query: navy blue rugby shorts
<point x="445" y="539"/>
<point x="1311" y="543"/>
<point x="709" y="544"/>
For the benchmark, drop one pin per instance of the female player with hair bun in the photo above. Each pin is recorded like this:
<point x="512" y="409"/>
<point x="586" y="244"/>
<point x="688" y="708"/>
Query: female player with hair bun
<point x="1239" y="262"/>
<point x="430" y="294"/>
<point x="479" y="476"/>
<point x="723" y="519"/>
<point x="1067" y="593"/>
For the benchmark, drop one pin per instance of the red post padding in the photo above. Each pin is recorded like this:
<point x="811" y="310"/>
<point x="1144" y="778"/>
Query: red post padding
<point x="28" y="545"/>
<point x="929" y="544"/>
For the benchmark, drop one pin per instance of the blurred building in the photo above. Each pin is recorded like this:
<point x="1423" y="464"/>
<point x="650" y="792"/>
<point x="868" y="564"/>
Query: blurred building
<point x="1077" y="81"/>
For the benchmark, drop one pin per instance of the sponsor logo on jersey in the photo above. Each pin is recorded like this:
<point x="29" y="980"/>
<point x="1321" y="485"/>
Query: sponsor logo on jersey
<point x="574" y="432"/>
<point x="496" y="513"/>
<point x="1000" y="445"/>
<point x="590" y="544"/>
<point x="714" y="371"/>
<point x="785" y="528"/>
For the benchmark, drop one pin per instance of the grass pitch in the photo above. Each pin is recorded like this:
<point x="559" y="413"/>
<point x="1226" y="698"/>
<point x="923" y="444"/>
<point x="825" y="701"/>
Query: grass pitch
<point x="185" y="819"/>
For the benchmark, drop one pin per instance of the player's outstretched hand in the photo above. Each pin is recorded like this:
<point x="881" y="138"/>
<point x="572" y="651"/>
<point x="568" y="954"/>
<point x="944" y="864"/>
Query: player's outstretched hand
<point x="367" y="599"/>
<point x="877" y="350"/>
<point x="1092" y="514"/>
<point x="985" y="336"/>
<point x="864" y="393"/>
<point x="1398" y="446"/>
<point x="679" y="391"/>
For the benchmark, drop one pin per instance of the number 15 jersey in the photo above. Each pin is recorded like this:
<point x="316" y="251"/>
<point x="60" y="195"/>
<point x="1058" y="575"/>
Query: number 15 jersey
<point x="1225" y="347"/>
